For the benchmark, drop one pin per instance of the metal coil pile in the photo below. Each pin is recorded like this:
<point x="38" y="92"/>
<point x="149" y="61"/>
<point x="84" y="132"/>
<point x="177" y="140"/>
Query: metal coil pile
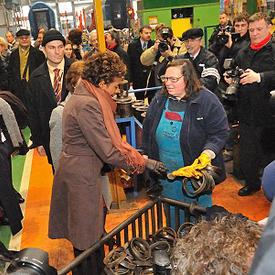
<point x="139" y="256"/>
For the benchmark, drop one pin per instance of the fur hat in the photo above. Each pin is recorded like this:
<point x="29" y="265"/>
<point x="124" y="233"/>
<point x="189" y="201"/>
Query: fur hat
<point x="22" y="32"/>
<point x="192" y="33"/>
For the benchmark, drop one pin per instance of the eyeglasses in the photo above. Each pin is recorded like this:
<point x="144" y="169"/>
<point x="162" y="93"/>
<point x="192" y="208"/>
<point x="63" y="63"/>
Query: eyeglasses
<point x="173" y="79"/>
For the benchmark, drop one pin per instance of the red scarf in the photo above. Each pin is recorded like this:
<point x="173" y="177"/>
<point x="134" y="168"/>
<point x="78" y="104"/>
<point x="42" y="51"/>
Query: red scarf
<point x="108" y="106"/>
<point x="261" y="44"/>
<point x="111" y="47"/>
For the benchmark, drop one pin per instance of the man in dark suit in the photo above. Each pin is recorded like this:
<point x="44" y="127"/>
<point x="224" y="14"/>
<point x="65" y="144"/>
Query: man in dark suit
<point x="112" y="40"/>
<point x="139" y="73"/>
<point x="23" y="61"/>
<point x="46" y="89"/>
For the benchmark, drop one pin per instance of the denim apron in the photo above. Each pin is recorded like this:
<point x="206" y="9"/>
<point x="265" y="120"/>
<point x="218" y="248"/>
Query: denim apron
<point x="168" y="140"/>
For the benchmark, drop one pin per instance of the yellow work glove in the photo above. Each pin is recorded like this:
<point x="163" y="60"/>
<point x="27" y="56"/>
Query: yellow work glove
<point x="201" y="162"/>
<point x="188" y="172"/>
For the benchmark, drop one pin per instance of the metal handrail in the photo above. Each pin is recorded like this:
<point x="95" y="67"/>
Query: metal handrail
<point x="193" y="208"/>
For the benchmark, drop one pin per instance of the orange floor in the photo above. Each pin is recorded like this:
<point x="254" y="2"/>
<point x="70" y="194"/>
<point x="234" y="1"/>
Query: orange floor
<point x="35" y="228"/>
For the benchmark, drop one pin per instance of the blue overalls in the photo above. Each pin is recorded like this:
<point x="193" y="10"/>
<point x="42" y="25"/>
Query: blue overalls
<point x="168" y="140"/>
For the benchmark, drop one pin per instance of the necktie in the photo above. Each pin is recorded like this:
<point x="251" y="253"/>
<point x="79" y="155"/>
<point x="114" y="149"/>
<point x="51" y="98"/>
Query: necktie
<point x="57" y="85"/>
<point x="144" y="46"/>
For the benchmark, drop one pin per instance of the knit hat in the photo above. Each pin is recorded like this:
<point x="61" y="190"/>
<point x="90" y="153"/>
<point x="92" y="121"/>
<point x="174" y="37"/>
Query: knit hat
<point x="52" y="35"/>
<point x="192" y="33"/>
<point x="22" y="32"/>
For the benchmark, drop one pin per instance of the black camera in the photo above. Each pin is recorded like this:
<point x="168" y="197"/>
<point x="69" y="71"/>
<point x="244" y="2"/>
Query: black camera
<point x="165" y="33"/>
<point x="231" y="90"/>
<point x="222" y="38"/>
<point x="31" y="261"/>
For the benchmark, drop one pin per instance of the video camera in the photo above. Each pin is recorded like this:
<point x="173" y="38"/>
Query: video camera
<point x="235" y="73"/>
<point x="165" y="33"/>
<point x="222" y="38"/>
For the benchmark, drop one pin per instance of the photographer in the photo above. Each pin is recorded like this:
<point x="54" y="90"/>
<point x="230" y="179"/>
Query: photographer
<point x="253" y="94"/>
<point x="237" y="40"/>
<point x="218" y="37"/>
<point x="165" y="48"/>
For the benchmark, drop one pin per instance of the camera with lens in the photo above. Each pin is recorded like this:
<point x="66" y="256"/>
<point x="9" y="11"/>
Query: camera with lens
<point x="31" y="261"/>
<point x="222" y="38"/>
<point x="232" y="89"/>
<point x="165" y="33"/>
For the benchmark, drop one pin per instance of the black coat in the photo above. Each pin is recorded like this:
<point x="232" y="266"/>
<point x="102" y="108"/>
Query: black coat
<point x="205" y="60"/>
<point x="16" y="85"/>
<point x="138" y="73"/>
<point x="123" y="55"/>
<point x="214" y="42"/>
<point x="7" y="195"/>
<point x="4" y="85"/>
<point x="41" y="102"/>
<point x="253" y="99"/>
<point x="232" y="52"/>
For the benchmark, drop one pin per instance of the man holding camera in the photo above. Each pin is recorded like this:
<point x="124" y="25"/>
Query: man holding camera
<point x="218" y="37"/>
<point x="166" y="47"/>
<point x="253" y="94"/>
<point x="204" y="62"/>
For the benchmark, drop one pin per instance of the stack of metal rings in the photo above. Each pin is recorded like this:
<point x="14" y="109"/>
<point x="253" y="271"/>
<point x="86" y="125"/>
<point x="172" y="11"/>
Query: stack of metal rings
<point x="138" y="256"/>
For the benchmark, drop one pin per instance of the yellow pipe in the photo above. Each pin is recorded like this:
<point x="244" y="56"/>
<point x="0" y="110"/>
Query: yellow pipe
<point x="99" y="26"/>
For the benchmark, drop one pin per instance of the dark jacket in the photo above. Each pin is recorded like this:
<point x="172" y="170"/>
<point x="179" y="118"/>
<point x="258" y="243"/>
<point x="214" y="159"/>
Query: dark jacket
<point x="204" y="126"/>
<point x="214" y="42"/>
<point x="206" y="65"/>
<point x="41" y="102"/>
<point x="138" y="73"/>
<point x="232" y="52"/>
<point x="123" y="55"/>
<point x="16" y="85"/>
<point x="8" y="199"/>
<point x="253" y="99"/>
<point x="4" y="84"/>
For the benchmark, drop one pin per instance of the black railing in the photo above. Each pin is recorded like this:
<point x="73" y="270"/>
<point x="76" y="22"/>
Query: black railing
<point x="144" y="223"/>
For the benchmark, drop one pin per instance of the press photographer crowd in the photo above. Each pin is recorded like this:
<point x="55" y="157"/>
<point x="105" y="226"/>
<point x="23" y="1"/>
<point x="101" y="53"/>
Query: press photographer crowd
<point x="203" y="107"/>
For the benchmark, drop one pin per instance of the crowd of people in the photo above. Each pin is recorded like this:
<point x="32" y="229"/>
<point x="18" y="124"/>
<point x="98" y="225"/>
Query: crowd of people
<point x="185" y="129"/>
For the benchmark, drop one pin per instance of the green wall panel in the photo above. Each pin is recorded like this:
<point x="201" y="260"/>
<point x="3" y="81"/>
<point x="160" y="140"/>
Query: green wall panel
<point x="151" y="4"/>
<point x="203" y="15"/>
<point x="206" y="16"/>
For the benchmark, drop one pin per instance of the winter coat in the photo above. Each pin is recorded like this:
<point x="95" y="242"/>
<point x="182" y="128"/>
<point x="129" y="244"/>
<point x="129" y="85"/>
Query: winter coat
<point x="206" y="65"/>
<point x="138" y="72"/>
<point x="8" y="198"/>
<point x="41" y="102"/>
<point x="204" y="127"/>
<point x="232" y="52"/>
<point x="253" y="99"/>
<point x="76" y="211"/>
<point x="16" y="85"/>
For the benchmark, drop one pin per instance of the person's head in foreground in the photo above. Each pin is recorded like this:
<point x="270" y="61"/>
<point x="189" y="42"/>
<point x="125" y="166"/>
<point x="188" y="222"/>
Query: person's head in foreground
<point x="104" y="70"/>
<point x="225" y="245"/>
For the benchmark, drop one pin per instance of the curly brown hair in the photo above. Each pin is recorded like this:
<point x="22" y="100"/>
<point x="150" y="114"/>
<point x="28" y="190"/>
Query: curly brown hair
<point x="75" y="35"/>
<point x="225" y="245"/>
<point x="73" y="75"/>
<point x="103" y="67"/>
